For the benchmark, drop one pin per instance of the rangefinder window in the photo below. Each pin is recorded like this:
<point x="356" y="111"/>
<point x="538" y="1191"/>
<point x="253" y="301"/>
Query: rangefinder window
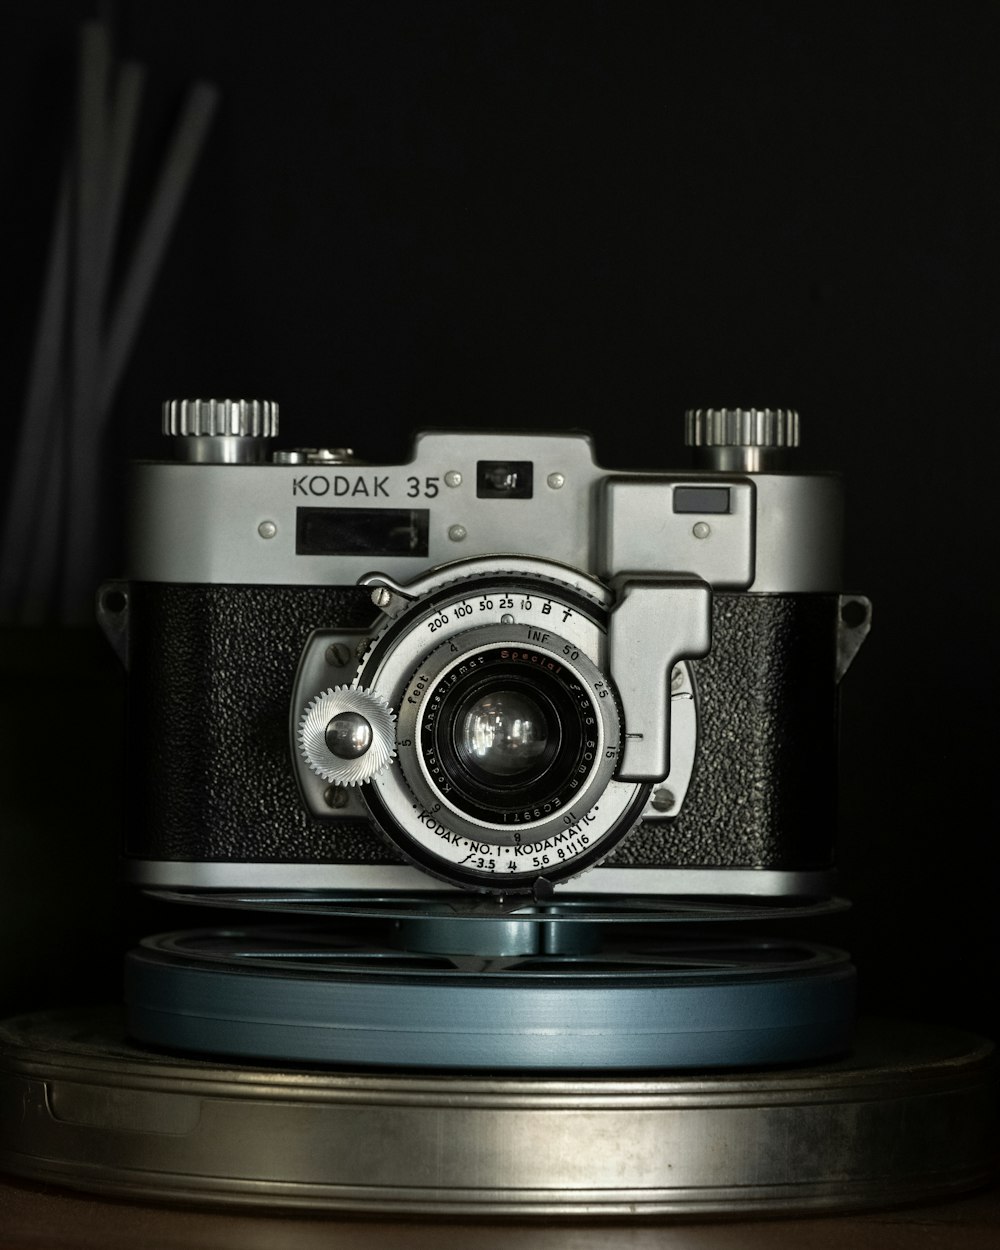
<point x="711" y="500"/>
<point x="504" y="479"/>
<point x="361" y="531"/>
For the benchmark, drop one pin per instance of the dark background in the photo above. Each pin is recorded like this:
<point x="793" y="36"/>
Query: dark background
<point x="588" y="215"/>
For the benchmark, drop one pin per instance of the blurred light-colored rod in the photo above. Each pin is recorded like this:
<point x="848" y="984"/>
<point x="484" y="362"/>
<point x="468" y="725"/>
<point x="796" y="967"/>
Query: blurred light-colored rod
<point x="81" y="572"/>
<point x="144" y="266"/>
<point x="39" y="580"/>
<point x="86" y="502"/>
<point x="123" y="124"/>
<point x="91" y="201"/>
<point x="32" y="466"/>
<point x="39" y="593"/>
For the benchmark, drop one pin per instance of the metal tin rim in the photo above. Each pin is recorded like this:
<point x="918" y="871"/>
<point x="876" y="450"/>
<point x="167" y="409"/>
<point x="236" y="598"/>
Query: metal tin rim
<point x="98" y="1114"/>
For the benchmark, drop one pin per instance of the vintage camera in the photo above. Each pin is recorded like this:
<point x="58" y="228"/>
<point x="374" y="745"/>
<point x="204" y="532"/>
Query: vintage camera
<point x="496" y="667"/>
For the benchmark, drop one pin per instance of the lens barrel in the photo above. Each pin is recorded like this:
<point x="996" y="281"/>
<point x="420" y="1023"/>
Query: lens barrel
<point x="566" y="741"/>
<point x="508" y="731"/>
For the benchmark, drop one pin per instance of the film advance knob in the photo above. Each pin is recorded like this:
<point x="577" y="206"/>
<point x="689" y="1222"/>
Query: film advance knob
<point x="220" y="431"/>
<point x="742" y="440"/>
<point x="347" y="736"/>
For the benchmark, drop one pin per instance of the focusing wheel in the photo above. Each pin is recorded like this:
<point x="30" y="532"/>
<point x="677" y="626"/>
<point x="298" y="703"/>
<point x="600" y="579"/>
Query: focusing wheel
<point x="347" y="735"/>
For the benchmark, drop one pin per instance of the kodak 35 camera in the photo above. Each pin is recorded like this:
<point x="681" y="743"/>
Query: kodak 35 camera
<point x="496" y="667"/>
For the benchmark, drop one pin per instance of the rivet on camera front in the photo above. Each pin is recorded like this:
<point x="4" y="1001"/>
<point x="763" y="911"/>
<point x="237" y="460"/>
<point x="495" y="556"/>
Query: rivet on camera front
<point x="267" y="529"/>
<point x="556" y="481"/>
<point x="663" y="799"/>
<point x="457" y="533"/>
<point x="453" y="478"/>
<point x="701" y="529"/>
<point x="506" y="619"/>
<point x="338" y="654"/>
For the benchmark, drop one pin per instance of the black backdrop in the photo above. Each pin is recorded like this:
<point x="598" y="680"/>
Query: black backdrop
<point x="587" y="215"/>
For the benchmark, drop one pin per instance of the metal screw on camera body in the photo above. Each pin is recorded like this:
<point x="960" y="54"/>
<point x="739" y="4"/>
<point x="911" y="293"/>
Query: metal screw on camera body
<point x="335" y="796"/>
<point x="663" y="799"/>
<point x="381" y="596"/>
<point x="267" y="529"/>
<point x="338" y="655"/>
<point x="556" y="481"/>
<point x="457" y="533"/>
<point x="453" y="478"/>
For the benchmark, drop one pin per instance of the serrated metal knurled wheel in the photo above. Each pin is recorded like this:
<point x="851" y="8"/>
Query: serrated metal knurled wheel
<point x="220" y="418"/>
<point x="347" y="735"/>
<point x="741" y="427"/>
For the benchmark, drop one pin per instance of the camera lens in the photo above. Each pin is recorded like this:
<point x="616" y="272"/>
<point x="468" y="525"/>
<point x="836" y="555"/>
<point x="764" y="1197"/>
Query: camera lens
<point x="508" y="731"/>
<point x="503" y="733"/>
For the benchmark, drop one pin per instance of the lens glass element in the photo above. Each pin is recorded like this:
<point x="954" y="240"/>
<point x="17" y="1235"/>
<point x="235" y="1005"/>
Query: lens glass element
<point x="503" y="733"/>
<point x="508" y="734"/>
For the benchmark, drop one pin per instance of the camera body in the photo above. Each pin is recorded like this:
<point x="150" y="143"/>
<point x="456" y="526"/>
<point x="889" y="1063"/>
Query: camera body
<point x="496" y="667"/>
